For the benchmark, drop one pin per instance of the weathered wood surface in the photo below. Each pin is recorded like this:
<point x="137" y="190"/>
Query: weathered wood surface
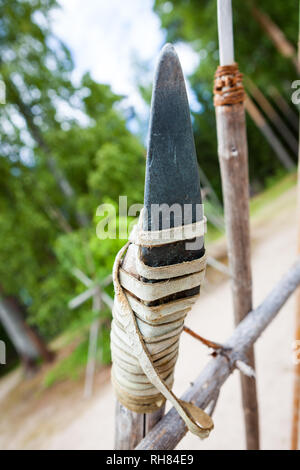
<point x="131" y="428"/>
<point x="171" y="429"/>
<point x="233" y="158"/>
<point x="296" y="385"/>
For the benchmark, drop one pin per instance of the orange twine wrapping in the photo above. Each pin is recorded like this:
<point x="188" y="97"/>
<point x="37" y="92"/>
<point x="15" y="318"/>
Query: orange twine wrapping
<point x="228" y="86"/>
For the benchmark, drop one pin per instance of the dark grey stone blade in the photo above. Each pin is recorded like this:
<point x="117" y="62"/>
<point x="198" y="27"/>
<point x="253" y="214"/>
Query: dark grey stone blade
<point x="171" y="169"/>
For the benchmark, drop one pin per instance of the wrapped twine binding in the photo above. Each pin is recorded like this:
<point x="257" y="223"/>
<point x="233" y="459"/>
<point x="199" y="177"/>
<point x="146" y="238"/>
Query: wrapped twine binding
<point x="145" y="338"/>
<point x="228" y="86"/>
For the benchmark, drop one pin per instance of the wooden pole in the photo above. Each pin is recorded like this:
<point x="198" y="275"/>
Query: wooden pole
<point x="171" y="429"/>
<point x="233" y="157"/>
<point x="296" y="389"/>
<point x="268" y="133"/>
<point x="99" y="297"/>
<point x="93" y="339"/>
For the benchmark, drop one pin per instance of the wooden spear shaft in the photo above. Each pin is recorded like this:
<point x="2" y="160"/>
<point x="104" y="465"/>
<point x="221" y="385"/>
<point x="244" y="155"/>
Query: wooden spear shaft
<point x="296" y="387"/>
<point x="296" y="391"/>
<point x="233" y="157"/>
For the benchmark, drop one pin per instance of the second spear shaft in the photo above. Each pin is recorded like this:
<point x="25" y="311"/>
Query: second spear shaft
<point x="233" y="157"/>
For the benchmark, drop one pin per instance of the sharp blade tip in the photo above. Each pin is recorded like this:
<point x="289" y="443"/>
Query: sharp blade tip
<point x="168" y="47"/>
<point x="168" y="50"/>
<point x="168" y="67"/>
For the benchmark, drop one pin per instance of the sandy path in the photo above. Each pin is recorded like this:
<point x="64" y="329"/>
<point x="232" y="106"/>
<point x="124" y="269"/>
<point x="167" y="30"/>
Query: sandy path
<point x="91" y="425"/>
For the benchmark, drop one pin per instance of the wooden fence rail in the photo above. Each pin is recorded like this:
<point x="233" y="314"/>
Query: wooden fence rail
<point x="169" y="431"/>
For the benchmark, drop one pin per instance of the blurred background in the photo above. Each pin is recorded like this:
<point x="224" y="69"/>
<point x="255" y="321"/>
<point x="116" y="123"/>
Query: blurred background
<point x="76" y="81"/>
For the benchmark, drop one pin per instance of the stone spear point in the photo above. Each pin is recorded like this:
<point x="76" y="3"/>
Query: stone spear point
<point x="171" y="169"/>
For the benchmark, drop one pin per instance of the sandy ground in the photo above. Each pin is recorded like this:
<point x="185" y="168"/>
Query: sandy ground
<point x="61" y="419"/>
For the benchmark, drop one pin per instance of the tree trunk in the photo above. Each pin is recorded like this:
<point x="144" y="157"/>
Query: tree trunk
<point x="27" y="342"/>
<point x="61" y="180"/>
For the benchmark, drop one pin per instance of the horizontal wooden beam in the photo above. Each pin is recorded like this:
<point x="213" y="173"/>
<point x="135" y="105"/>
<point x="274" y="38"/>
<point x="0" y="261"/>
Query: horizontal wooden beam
<point x="171" y="429"/>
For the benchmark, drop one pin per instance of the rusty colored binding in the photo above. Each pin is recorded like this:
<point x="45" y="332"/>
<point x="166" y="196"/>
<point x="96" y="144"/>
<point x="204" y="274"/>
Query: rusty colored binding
<point x="228" y="86"/>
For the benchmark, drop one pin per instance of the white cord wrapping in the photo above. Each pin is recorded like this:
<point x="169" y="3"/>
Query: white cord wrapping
<point x="145" y="339"/>
<point x="142" y="237"/>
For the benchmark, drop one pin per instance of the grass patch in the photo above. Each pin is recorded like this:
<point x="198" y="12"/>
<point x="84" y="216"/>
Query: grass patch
<point x="212" y="234"/>
<point x="73" y="366"/>
<point x="77" y="328"/>
<point x="276" y="189"/>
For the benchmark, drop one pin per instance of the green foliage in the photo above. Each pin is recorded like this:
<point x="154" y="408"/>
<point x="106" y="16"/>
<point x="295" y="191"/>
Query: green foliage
<point x="195" y="22"/>
<point x="276" y="186"/>
<point x="113" y="160"/>
<point x="65" y="150"/>
<point x="73" y="366"/>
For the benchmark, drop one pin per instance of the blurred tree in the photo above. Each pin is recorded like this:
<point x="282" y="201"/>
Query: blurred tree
<point x="195" y="22"/>
<point x="64" y="150"/>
